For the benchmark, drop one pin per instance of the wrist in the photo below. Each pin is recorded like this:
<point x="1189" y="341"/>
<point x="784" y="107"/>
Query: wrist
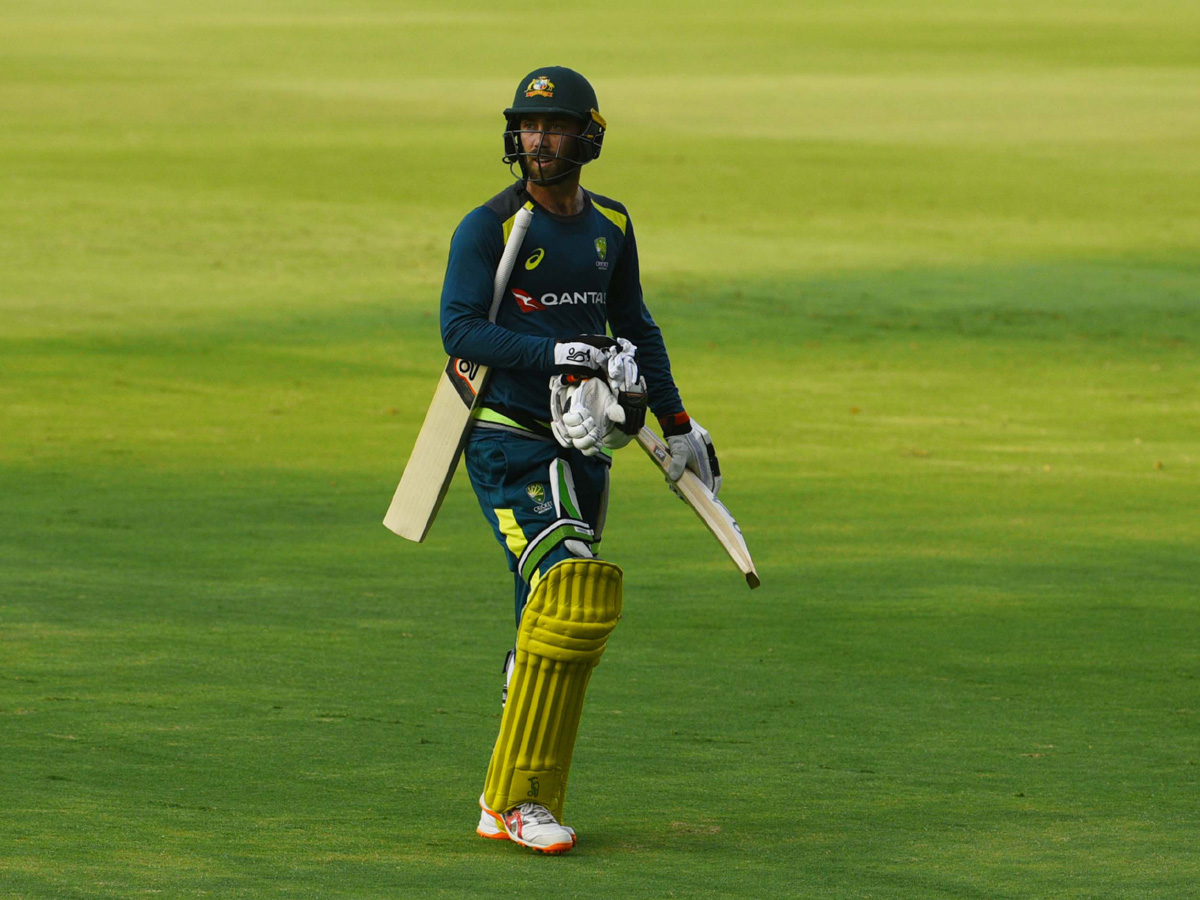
<point x="675" y="423"/>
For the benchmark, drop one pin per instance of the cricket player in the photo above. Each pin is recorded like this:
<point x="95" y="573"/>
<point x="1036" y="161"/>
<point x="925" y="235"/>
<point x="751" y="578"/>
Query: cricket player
<point x="562" y="395"/>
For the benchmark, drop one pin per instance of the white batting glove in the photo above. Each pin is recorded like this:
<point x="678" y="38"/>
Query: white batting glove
<point x="585" y="355"/>
<point x="629" y="386"/>
<point x="622" y="366"/>
<point x="694" y="450"/>
<point x="582" y="414"/>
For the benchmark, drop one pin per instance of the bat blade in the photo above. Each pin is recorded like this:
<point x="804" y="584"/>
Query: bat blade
<point x="435" y="455"/>
<point x="711" y="511"/>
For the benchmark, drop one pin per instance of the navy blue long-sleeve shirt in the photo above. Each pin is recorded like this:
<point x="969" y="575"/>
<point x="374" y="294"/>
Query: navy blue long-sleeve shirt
<point x="573" y="275"/>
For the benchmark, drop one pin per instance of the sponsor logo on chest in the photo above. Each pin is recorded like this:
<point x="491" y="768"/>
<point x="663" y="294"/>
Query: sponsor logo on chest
<point x="527" y="303"/>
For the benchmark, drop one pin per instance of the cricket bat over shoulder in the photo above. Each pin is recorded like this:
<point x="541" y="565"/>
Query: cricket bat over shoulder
<point x="434" y="458"/>
<point x="712" y="512"/>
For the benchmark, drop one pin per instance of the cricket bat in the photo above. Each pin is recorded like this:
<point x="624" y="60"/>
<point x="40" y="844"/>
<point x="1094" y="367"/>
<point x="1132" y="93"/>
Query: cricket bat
<point x="712" y="512"/>
<point x="439" y="445"/>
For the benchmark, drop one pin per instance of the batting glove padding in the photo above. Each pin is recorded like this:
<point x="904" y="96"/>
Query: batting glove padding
<point x="694" y="450"/>
<point x="586" y="415"/>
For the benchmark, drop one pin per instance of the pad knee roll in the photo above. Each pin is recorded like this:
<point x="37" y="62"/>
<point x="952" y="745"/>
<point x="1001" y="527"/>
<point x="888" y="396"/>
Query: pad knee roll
<point x="564" y="630"/>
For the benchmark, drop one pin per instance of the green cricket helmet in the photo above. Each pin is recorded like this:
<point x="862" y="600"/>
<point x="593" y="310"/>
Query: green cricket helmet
<point x="554" y="90"/>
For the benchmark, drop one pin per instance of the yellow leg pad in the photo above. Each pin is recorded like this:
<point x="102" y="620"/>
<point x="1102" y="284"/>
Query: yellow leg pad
<point x="564" y="628"/>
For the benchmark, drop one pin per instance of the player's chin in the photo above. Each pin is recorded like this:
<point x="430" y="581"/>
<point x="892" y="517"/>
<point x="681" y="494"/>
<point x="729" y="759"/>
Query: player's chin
<point x="542" y="170"/>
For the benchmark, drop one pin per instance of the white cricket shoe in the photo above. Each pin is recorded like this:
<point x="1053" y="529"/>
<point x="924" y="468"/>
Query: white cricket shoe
<point x="490" y="825"/>
<point x="530" y="825"/>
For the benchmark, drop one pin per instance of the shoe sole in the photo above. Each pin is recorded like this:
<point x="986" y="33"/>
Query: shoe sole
<point x="498" y="823"/>
<point x="553" y="849"/>
<point x="499" y="834"/>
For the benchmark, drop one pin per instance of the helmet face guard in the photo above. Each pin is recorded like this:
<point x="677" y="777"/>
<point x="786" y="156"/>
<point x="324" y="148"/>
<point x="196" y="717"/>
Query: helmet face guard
<point x="559" y="92"/>
<point x="576" y="148"/>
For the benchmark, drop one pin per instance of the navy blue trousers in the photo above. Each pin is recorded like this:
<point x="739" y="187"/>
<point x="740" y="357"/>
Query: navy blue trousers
<point x="545" y="503"/>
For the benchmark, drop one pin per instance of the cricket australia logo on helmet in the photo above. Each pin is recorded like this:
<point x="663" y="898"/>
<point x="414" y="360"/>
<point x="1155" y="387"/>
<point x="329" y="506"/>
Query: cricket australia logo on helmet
<point x="540" y="86"/>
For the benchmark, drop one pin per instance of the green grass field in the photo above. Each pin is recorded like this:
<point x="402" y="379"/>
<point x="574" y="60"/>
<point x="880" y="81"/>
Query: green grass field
<point x="929" y="273"/>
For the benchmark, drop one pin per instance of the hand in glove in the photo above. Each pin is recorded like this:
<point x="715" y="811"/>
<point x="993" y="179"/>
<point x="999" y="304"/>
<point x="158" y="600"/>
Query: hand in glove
<point x="583" y="413"/>
<point x="692" y="448"/>
<point x="629" y="387"/>
<point x="584" y="356"/>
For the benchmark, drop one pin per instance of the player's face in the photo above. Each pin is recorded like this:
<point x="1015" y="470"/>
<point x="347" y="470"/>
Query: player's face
<point x="549" y="139"/>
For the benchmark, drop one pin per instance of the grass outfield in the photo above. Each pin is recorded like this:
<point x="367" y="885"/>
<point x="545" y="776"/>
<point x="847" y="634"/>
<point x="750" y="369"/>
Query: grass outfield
<point x="930" y="274"/>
